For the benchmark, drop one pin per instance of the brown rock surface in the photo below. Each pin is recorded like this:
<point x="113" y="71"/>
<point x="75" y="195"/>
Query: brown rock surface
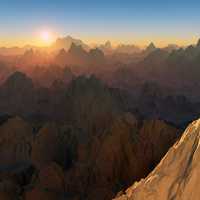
<point x="15" y="143"/>
<point x="124" y="153"/>
<point x="9" y="190"/>
<point x="73" y="164"/>
<point x="52" y="177"/>
<point x="176" y="176"/>
<point x="40" y="194"/>
<point x="49" y="184"/>
<point x="45" y="148"/>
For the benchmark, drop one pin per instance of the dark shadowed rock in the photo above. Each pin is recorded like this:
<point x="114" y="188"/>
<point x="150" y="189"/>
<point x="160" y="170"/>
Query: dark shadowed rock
<point x="18" y="81"/>
<point x="92" y="103"/>
<point x="96" y="56"/>
<point x="150" y="48"/>
<point x="15" y="144"/>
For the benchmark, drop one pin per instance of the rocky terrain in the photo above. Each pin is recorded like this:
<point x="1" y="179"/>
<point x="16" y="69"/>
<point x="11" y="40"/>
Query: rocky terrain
<point x="59" y="161"/>
<point x="84" y="124"/>
<point x="176" y="176"/>
<point x="79" y="137"/>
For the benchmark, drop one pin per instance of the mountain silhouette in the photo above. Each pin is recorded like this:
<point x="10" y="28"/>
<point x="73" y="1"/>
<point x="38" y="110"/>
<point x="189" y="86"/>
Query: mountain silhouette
<point x="66" y="42"/>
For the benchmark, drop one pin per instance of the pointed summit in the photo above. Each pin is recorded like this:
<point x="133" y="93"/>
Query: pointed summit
<point x="62" y="52"/>
<point x="76" y="49"/>
<point x="96" y="54"/>
<point x="18" y="80"/>
<point x="151" y="47"/>
<point x="108" y="45"/>
<point x="29" y="53"/>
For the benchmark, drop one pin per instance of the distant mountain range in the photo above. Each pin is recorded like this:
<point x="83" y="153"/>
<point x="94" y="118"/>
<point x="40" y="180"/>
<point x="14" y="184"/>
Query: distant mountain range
<point x="80" y="123"/>
<point x="77" y="55"/>
<point x="66" y="42"/>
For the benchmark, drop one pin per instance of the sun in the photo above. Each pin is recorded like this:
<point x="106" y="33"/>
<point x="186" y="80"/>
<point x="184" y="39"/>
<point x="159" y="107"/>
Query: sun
<point x="46" y="37"/>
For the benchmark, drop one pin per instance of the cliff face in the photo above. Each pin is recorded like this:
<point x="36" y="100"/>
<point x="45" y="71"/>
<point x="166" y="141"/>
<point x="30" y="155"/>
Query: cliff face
<point x="177" y="175"/>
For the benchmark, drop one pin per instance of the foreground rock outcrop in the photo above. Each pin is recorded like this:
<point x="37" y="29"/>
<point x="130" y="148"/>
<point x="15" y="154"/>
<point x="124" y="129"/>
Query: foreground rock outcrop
<point x="177" y="175"/>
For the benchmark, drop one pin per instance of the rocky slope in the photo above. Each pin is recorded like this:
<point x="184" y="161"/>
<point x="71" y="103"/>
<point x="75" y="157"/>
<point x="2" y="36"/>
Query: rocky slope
<point x="124" y="152"/>
<point x="177" y="175"/>
<point x="59" y="161"/>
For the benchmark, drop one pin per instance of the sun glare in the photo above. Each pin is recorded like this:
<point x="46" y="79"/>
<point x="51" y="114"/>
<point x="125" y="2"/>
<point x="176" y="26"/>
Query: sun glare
<point x="46" y="37"/>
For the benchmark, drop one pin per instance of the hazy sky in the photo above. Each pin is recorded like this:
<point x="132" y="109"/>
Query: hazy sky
<point x="125" y="21"/>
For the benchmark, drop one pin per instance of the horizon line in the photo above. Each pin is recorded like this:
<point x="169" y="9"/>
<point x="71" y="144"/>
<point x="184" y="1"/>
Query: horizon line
<point x="142" y="43"/>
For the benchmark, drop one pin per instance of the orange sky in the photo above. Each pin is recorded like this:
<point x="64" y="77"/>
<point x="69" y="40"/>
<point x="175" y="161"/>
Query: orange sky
<point x="159" y="41"/>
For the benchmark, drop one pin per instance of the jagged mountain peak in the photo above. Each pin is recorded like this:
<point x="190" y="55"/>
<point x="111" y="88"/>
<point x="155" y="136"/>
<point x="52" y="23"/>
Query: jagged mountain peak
<point x="87" y="83"/>
<point x="66" y="42"/>
<point x="76" y="49"/>
<point x="18" y="77"/>
<point x="108" y="44"/>
<point x="96" y="53"/>
<point x="18" y="82"/>
<point x="151" y="46"/>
